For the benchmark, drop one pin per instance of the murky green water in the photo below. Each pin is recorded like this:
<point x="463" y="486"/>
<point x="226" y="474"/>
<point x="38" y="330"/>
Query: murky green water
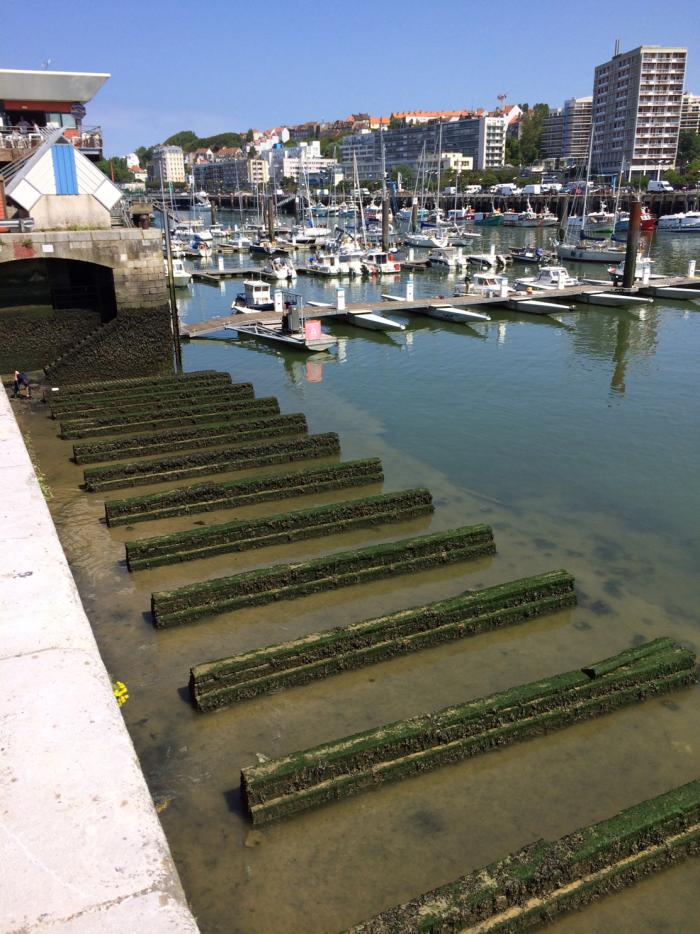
<point x="579" y="441"/>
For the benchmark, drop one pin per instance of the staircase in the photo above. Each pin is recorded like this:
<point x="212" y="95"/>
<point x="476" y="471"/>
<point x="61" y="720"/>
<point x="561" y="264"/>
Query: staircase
<point x="120" y="216"/>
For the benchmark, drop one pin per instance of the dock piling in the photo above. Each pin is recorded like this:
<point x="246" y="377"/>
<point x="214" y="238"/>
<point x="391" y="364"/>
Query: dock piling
<point x="691" y="268"/>
<point x="633" y="233"/>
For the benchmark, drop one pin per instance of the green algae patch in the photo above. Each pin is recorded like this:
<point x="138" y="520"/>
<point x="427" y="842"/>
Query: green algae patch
<point x="172" y="440"/>
<point x="244" y="535"/>
<point x="342" y="569"/>
<point x="200" y="414"/>
<point x="394" y="751"/>
<point x="319" y="655"/>
<point x="153" y="404"/>
<point x="200" y="463"/>
<point x="545" y="879"/>
<point x="207" y="497"/>
<point x="138" y="382"/>
<point x="65" y="402"/>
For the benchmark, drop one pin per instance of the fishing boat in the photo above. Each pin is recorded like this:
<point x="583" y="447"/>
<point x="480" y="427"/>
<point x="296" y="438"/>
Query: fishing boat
<point x="279" y="268"/>
<point x="548" y="278"/>
<point x="647" y="221"/>
<point x="446" y="258"/>
<point x="510" y="218"/>
<point x="255" y="297"/>
<point x="377" y="262"/>
<point x="530" y="218"/>
<point x="492" y="218"/>
<point x="181" y="277"/>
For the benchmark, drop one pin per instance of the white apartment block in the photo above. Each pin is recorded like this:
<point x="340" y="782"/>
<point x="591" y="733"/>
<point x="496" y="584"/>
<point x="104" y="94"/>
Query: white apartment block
<point x="169" y="159"/>
<point x="690" y="112"/>
<point x="258" y="171"/>
<point x="293" y="161"/>
<point x="637" y="99"/>
<point x="454" y="161"/>
<point x="491" y="151"/>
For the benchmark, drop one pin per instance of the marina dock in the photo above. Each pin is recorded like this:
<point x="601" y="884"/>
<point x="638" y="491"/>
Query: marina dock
<point x="539" y="302"/>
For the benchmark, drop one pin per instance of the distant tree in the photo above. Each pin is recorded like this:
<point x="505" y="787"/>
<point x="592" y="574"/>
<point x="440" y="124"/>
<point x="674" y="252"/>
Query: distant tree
<point x="688" y="147"/>
<point x="145" y="154"/>
<point x="249" y="136"/>
<point x="229" y="140"/>
<point x="531" y="128"/>
<point x="115" y="166"/>
<point x="513" y="151"/>
<point x="187" y="139"/>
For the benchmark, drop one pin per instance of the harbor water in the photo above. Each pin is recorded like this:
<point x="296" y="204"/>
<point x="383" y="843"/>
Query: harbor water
<point x="577" y="438"/>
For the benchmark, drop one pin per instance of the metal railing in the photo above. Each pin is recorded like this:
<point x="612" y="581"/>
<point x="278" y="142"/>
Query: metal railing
<point x="20" y="142"/>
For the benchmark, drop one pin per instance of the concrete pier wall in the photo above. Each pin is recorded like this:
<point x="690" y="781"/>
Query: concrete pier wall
<point x="81" y="847"/>
<point x="110" y="318"/>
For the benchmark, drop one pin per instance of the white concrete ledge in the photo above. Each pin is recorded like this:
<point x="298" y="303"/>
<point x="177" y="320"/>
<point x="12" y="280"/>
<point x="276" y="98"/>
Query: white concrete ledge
<point x="81" y="846"/>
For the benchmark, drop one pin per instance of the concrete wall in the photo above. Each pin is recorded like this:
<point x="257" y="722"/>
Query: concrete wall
<point x="137" y="342"/>
<point x="59" y="212"/>
<point x="81" y="847"/>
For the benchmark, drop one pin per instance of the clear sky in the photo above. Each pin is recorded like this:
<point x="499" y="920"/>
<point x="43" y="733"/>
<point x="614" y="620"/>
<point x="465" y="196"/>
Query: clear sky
<point x="216" y="65"/>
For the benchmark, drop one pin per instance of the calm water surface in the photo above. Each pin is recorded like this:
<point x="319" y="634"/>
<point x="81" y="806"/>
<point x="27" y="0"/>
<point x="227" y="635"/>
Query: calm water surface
<point x="578" y="440"/>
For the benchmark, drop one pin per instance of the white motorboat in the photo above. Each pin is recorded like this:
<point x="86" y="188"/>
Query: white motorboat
<point x="181" y="277"/>
<point x="446" y="258"/>
<point x="456" y="315"/>
<point x="279" y="268"/>
<point x="239" y="241"/>
<point x="549" y="278"/>
<point x="491" y="260"/>
<point x="365" y="318"/>
<point x="488" y="284"/>
<point x="255" y="297"/>
<point x="426" y="239"/>
<point x="377" y="262"/>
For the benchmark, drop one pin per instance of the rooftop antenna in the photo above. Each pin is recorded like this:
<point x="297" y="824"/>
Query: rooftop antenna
<point x="617" y="48"/>
<point x="501" y="98"/>
<point x="45" y="64"/>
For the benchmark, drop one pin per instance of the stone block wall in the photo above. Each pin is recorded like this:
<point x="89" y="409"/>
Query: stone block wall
<point x="137" y="342"/>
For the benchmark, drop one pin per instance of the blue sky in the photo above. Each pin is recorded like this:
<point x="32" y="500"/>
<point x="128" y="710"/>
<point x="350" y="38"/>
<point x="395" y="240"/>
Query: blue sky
<point x="215" y="65"/>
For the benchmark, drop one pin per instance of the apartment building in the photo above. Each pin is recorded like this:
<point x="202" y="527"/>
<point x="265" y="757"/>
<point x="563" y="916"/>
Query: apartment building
<point x="221" y="175"/>
<point x="258" y="171"/>
<point x="552" y="143"/>
<point x="636" y="116"/>
<point x="690" y="112"/>
<point x="482" y="139"/>
<point x="171" y="161"/>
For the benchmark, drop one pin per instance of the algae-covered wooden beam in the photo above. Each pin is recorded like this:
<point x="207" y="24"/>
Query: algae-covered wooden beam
<point x="67" y="402"/>
<point x="173" y="440"/>
<point x="207" y="497"/>
<point x="342" y="569"/>
<point x="154" y="405"/>
<point x="200" y="414"/>
<point x="545" y="879"/>
<point x="137" y="382"/>
<point x="321" y="654"/>
<point x="200" y="463"/>
<point x="244" y="535"/>
<point x="395" y="751"/>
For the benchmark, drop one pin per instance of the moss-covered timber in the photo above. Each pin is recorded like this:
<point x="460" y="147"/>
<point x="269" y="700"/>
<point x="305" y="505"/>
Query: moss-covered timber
<point x="318" y="655"/>
<point x="153" y="405"/>
<point x="545" y="879"/>
<point x="137" y="382"/>
<point x="203" y="414"/>
<point x="64" y="405"/>
<point x="207" y="497"/>
<point x="244" y="535"/>
<point x="342" y="569"/>
<point x="173" y="440"/>
<point x="395" y="751"/>
<point x="201" y="463"/>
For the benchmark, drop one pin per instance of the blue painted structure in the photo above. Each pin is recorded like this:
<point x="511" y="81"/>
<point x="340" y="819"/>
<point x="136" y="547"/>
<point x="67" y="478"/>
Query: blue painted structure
<point x="64" y="171"/>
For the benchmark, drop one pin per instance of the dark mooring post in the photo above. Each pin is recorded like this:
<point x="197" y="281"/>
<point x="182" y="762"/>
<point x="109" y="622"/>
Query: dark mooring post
<point x="414" y="215"/>
<point x="385" y="223"/>
<point x="212" y="207"/>
<point x="270" y="218"/>
<point x="633" y="232"/>
<point x="174" y="319"/>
